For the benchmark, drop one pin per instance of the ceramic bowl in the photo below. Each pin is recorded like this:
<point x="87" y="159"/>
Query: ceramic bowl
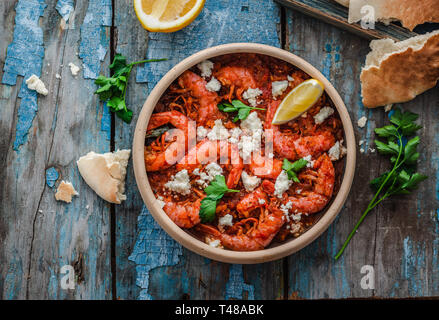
<point x="185" y="238"/>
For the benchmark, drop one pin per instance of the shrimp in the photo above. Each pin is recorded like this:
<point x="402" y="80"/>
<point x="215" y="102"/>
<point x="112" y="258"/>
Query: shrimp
<point x="314" y="201"/>
<point x="208" y="111"/>
<point x="207" y="151"/>
<point x="251" y="201"/>
<point x="185" y="138"/>
<point x="265" y="167"/>
<point x="292" y="146"/>
<point x="239" y="78"/>
<point x="184" y="215"/>
<point x="257" y="238"/>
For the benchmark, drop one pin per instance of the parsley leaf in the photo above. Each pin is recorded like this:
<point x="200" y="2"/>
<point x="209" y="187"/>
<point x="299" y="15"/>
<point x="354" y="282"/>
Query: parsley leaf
<point x="113" y="89"/>
<point x="293" y="168"/>
<point x="237" y="106"/>
<point x="400" y="179"/>
<point x="214" y="192"/>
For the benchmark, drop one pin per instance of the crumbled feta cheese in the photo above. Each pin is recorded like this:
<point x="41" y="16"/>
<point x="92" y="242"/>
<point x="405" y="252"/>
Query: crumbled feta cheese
<point x="372" y="150"/>
<point x="215" y="243"/>
<point x="58" y="76"/>
<point x="360" y="142"/>
<point x="285" y="208"/>
<point x="213" y="85"/>
<point x="218" y="132"/>
<point x="35" y="83"/>
<point x="282" y="184"/>
<point x="261" y="201"/>
<point x="201" y="132"/>
<point x="160" y="201"/>
<point x="362" y="122"/>
<point x="304" y="115"/>
<point x="251" y="140"/>
<point x="251" y="94"/>
<point x="388" y="107"/>
<point x="362" y="150"/>
<point x="235" y="134"/>
<point x="250" y="182"/>
<point x="270" y="155"/>
<point x="324" y="113"/>
<point x="297" y="217"/>
<point x="196" y="171"/>
<point x="295" y="228"/>
<point x="278" y="87"/>
<point x="74" y="69"/>
<point x="212" y="170"/>
<point x="206" y="68"/>
<point x="227" y="220"/>
<point x="337" y="151"/>
<point x="179" y="183"/>
<point x="290" y="78"/>
<point x="299" y="191"/>
<point x="310" y="163"/>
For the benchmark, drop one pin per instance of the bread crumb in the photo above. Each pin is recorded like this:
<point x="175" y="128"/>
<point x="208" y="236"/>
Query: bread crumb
<point x="362" y="122"/>
<point x="65" y="192"/>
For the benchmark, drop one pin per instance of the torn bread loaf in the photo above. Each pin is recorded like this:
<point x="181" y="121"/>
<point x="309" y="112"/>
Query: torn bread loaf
<point x="105" y="173"/>
<point x="65" y="192"/>
<point x="398" y="71"/>
<point x="343" y="2"/>
<point x="409" y="12"/>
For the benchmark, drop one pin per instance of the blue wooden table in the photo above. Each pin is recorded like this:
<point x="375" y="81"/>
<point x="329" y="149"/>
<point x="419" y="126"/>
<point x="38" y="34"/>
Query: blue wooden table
<point x="118" y="251"/>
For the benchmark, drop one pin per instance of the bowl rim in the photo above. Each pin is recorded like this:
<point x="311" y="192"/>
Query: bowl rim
<point x="189" y="241"/>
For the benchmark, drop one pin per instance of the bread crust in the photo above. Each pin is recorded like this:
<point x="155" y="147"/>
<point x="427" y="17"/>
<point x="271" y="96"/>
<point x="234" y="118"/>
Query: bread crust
<point x="402" y="75"/>
<point x="410" y="12"/>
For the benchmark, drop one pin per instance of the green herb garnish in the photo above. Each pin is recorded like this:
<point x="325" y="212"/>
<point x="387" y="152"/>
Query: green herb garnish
<point x="293" y="168"/>
<point x="214" y="192"/>
<point x="237" y="106"/>
<point x="402" y="179"/>
<point x="113" y="89"/>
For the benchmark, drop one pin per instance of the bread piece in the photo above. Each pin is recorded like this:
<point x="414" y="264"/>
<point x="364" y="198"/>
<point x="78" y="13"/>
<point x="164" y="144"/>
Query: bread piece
<point x="105" y="173"/>
<point x="343" y="2"/>
<point x="65" y="192"/>
<point x="409" y="12"/>
<point x="399" y="71"/>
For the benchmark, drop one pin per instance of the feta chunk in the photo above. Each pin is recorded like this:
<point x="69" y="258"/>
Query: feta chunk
<point x="206" y="68"/>
<point x="261" y="201"/>
<point x="235" y="134"/>
<point x="201" y="132"/>
<point x="250" y="182"/>
<point x="290" y="78"/>
<point x="218" y="132"/>
<point x="337" y="151"/>
<point x="160" y="201"/>
<point x="362" y="122"/>
<point x="74" y="69"/>
<point x="213" y="85"/>
<point x="35" y="83"/>
<point x="278" y="87"/>
<point x="212" y="170"/>
<point x="310" y="163"/>
<point x="251" y="140"/>
<point x="180" y="183"/>
<point x="215" y="243"/>
<point x="251" y="94"/>
<point x="227" y="220"/>
<point x="282" y="184"/>
<point x="323" y="114"/>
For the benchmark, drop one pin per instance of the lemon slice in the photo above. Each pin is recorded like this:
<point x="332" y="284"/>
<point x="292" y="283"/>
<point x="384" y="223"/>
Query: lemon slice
<point x="167" y="15"/>
<point x="298" y="101"/>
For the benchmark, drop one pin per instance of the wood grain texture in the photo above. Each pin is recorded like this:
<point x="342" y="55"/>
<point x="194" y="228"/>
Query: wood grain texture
<point x="337" y="15"/>
<point x="163" y="274"/>
<point x="40" y="235"/>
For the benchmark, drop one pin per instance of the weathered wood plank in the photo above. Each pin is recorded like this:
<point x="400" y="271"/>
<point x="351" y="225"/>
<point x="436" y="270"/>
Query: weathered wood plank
<point x="40" y="235"/>
<point x="337" y="15"/>
<point x="165" y="269"/>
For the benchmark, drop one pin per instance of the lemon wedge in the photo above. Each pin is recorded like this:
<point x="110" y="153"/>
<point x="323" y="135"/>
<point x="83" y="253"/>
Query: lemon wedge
<point x="167" y="15"/>
<point x="298" y="101"/>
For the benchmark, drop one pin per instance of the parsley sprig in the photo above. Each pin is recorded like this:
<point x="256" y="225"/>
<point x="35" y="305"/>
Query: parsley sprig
<point x="293" y="168"/>
<point x="237" y="106"/>
<point x="214" y="192"/>
<point x="402" y="178"/>
<point x="113" y="89"/>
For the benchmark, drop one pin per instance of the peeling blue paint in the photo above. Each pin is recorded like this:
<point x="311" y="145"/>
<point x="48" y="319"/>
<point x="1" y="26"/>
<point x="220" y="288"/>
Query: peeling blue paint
<point x="65" y="8"/>
<point x="154" y="248"/>
<point x="236" y="285"/>
<point x="51" y="176"/>
<point x="94" y="40"/>
<point x="24" y="58"/>
<point x="413" y="267"/>
<point x="106" y="121"/>
<point x="220" y="22"/>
